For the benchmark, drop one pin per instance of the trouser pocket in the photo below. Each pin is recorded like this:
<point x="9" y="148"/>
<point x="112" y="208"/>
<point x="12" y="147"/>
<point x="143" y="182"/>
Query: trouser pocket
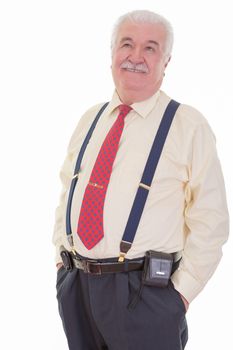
<point x="176" y="296"/>
<point x="61" y="276"/>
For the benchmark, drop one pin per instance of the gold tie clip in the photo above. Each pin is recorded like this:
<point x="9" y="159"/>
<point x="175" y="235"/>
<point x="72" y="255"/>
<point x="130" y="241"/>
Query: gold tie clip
<point x="95" y="185"/>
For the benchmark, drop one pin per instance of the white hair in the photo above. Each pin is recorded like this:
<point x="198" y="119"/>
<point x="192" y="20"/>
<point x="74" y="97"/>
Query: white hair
<point x="145" y="16"/>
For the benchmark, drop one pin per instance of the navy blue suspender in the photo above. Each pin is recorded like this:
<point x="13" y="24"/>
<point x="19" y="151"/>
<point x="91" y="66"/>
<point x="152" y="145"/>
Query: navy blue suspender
<point x="144" y="186"/>
<point x="147" y="177"/>
<point x="76" y="174"/>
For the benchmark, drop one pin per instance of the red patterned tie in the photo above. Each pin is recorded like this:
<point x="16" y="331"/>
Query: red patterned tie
<point x="90" y="224"/>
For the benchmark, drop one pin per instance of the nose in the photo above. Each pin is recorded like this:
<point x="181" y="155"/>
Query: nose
<point x="136" y="56"/>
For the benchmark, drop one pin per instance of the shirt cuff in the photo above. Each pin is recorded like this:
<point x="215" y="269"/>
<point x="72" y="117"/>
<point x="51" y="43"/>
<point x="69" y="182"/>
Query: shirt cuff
<point x="186" y="284"/>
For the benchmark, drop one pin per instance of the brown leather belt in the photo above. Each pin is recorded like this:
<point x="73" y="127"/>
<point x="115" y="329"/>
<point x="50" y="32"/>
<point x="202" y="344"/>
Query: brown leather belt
<point x="98" y="268"/>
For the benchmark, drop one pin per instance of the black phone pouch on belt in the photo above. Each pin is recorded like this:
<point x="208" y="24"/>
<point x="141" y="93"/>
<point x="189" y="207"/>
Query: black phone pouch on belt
<point x="157" y="268"/>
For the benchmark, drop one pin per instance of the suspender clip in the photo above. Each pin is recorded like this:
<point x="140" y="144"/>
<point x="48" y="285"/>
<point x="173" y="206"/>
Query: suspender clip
<point x="75" y="176"/>
<point x="146" y="187"/>
<point x="71" y="243"/>
<point x="70" y="240"/>
<point x="124" y="248"/>
<point x="121" y="257"/>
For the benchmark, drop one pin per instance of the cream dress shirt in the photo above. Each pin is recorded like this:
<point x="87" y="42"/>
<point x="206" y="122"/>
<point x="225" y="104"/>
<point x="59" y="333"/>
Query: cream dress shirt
<point x="186" y="207"/>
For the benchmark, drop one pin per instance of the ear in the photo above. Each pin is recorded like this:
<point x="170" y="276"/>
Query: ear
<point x="167" y="61"/>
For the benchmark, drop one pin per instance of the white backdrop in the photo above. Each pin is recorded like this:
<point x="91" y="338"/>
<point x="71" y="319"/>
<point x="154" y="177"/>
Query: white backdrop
<point x="55" y="63"/>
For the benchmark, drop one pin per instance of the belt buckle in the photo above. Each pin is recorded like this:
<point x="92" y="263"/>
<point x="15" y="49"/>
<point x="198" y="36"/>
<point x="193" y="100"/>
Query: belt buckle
<point x="87" y="267"/>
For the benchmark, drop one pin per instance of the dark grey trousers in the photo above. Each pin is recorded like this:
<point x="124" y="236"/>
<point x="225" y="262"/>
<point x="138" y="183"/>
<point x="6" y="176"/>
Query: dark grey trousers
<point x="95" y="314"/>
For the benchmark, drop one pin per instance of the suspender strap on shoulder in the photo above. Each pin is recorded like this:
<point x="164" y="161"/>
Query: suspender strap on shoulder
<point x="147" y="177"/>
<point x="76" y="174"/>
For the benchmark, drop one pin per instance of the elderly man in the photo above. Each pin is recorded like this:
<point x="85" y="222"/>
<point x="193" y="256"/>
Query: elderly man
<point x="143" y="215"/>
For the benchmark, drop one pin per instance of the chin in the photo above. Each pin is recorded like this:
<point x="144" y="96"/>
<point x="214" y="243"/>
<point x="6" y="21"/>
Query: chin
<point x="134" y="86"/>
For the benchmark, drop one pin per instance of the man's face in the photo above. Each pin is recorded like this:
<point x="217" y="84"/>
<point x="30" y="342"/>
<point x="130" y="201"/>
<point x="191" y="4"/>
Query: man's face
<point x="138" y="60"/>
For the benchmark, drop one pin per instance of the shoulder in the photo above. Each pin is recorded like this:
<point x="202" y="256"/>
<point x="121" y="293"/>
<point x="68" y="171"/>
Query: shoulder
<point x="83" y="125"/>
<point x="190" y="130"/>
<point x="191" y="116"/>
<point x="189" y="119"/>
<point x="186" y="113"/>
<point x="88" y="117"/>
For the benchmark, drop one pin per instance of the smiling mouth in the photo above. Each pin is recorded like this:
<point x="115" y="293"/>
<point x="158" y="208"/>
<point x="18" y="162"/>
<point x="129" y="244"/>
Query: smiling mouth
<point x="134" y="70"/>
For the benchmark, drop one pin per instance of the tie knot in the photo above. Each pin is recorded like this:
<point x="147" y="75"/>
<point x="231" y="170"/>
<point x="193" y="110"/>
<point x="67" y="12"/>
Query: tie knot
<point x="124" y="109"/>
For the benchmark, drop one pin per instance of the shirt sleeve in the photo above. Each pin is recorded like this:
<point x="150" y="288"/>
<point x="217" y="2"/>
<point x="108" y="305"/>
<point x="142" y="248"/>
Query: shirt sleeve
<point x="206" y="216"/>
<point x="59" y="232"/>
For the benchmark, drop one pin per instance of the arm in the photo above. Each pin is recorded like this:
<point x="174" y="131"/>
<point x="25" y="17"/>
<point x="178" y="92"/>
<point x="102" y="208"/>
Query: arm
<point x="59" y="227"/>
<point x="206" y="216"/>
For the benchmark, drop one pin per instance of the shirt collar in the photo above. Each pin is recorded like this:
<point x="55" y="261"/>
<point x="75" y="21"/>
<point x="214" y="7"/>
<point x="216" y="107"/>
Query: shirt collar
<point x="142" y="108"/>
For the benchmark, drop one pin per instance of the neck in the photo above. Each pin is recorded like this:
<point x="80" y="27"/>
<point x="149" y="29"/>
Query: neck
<point x="129" y="99"/>
<point x="133" y="96"/>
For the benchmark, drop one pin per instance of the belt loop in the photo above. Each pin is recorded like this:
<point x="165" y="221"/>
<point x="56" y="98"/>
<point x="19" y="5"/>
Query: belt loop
<point x="126" y="265"/>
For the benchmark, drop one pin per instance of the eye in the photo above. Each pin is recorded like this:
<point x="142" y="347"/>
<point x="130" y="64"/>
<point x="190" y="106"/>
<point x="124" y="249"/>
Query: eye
<point x="150" y="49"/>
<point x="127" y="45"/>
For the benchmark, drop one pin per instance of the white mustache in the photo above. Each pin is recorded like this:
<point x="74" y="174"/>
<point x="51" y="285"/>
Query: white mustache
<point x="138" y="67"/>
